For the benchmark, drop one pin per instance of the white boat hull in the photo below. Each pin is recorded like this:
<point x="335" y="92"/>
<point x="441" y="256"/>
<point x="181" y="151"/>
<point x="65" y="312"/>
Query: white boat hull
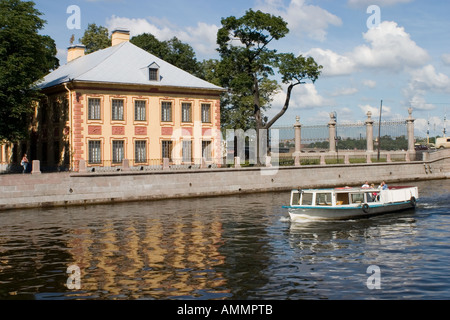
<point x="347" y="212"/>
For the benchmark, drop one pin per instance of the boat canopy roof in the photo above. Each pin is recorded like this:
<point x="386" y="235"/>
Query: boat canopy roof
<point x="336" y="190"/>
<point x="346" y="189"/>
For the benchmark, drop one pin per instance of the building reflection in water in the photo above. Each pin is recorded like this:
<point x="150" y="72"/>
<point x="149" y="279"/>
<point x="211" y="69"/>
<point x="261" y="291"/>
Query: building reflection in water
<point x="153" y="258"/>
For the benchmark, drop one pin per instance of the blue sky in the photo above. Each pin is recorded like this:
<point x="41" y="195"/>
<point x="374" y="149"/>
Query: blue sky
<point x="404" y="60"/>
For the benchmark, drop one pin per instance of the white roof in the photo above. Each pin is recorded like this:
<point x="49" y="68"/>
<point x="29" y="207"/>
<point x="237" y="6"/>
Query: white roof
<point x="124" y="63"/>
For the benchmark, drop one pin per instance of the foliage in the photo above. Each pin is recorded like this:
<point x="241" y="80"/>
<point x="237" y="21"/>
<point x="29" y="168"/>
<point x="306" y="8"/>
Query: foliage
<point x="387" y="143"/>
<point x="247" y="65"/>
<point x="95" y="38"/>
<point x="173" y="51"/>
<point x="25" y="57"/>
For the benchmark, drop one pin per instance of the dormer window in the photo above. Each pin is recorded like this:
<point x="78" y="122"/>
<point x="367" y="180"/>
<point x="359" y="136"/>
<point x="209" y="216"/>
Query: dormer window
<point x="153" y="72"/>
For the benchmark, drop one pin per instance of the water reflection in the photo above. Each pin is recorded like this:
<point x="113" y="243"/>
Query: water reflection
<point x="166" y="258"/>
<point x="240" y="247"/>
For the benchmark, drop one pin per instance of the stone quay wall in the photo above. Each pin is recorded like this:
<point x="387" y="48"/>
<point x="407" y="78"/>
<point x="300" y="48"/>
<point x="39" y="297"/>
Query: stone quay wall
<point x="67" y="189"/>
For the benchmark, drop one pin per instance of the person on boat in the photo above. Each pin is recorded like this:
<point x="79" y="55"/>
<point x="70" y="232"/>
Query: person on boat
<point x="383" y="186"/>
<point x="366" y="185"/>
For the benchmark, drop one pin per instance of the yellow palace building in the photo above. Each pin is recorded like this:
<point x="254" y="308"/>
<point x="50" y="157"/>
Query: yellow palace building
<point x="123" y="103"/>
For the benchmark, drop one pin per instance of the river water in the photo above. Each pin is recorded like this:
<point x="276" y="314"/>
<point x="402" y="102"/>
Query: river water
<point x="236" y="247"/>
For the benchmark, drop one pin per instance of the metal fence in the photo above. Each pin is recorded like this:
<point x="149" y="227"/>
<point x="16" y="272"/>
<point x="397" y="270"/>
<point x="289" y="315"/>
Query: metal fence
<point x="320" y="133"/>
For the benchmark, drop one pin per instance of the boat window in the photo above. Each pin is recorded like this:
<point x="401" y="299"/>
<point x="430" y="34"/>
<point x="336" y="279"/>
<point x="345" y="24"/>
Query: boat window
<point x="342" y="199"/>
<point x="357" y="197"/>
<point x="296" y="198"/>
<point x="370" y="197"/>
<point x="323" y="199"/>
<point x="307" y="199"/>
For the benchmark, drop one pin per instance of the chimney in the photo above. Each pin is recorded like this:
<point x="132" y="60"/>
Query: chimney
<point x="75" y="51"/>
<point x="120" y="35"/>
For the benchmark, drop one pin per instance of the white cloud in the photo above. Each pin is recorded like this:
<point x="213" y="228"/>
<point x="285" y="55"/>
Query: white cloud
<point x="302" y="18"/>
<point x="446" y="59"/>
<point x="345" y="92"/>
<point x="388" y="112"/>
<point x="389" y="48"/>
<point x="433" y="124"/>
<point x="370" y="83"/>
<point x="333" y="63"/>
<point x="61" y="54"/>
<point x="303" y="97"/>
<point x="307" y="96"/>
<point x="201" y="37"/>
<point x="427" y="78"/>
<point x="423" y="81"/>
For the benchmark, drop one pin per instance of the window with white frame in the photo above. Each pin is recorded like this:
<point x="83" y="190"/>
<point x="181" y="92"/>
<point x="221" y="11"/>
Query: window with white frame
<point x="140" y="151"/>
<point x="153" y="74"/>
<point x="207" y="150"/>
<point x="187" y="151"/>
<point x="186" y="112"/>
<point x="118" y="151"/>
<point x="94" y="109"/>
<point x="206" y="113"/>
<point x="140" y="110"/>
<point x="166" y="111"/>
<point x="167" y="147"/>
<point x="95" y="152"/>
<point x="117" y="110"/>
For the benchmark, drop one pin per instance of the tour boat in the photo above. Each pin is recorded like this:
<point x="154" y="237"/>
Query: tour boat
<point x="349" y="203"/>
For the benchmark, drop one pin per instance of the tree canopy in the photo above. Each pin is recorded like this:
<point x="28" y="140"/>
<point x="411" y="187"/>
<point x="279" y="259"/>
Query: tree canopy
<point x="173" y="51"/>
<point x="248" y="64"/>
<point x="95" y="38"/>
<point x="25" y="57"/>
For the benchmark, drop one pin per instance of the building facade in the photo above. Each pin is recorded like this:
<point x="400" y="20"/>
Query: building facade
<point x="123" y="103"/>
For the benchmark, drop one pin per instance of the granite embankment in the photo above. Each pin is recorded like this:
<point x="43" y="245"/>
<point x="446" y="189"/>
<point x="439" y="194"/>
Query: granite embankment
<point x="66" y="189"/>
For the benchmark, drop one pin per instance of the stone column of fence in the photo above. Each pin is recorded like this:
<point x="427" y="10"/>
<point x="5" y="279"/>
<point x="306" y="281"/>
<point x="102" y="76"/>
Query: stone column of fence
<point x="410" y="132"/>
<point x="332" y="132"/>
<point x="298" y="141"/>
<point x="369" y="132"/>
<point x="36" y="169"/>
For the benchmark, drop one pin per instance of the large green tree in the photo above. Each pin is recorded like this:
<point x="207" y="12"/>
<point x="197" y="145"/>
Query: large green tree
<point x="95" y="38"/>
<point x="173" y="51"/>
<point x="248" y="65"/>
<point x="25" y="57"/>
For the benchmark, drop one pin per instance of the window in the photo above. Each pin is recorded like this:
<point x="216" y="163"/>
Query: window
<point x="95" y="155"/>
<point x="357" y="197"/>
<point x="117" y="110"/>
<point x="153" y="74"/>
<point x="167" y="150"/>
<point x="118" y="151"/>
<point x="44" y="147"/>
<point x="166" y="112"/>
<point x="140" y="151"/>
<point x="207" y="150"/>
<point x="187" y="151"/>
<point x="295" y="199"/>
<point x="44" y="114"/>
<point x="56" y="112"/>
<point x="140" y="108"/>
<point x="57" y="152"/>
<point x="323" y="199"/>
<point x="307" y="199"/>
<point x="206" y="113"/>
<point x="94" y="109"/>
<point x="186" y="113"/>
